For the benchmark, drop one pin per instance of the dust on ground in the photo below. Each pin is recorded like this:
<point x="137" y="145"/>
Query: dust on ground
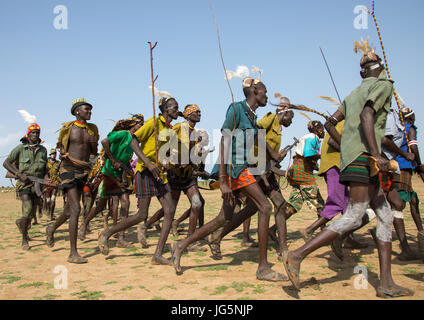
<point x="128" y="274"/>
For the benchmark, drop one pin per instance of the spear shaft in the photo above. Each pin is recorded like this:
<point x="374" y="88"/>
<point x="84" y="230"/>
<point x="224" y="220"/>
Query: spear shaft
<point x="331" y="76"/>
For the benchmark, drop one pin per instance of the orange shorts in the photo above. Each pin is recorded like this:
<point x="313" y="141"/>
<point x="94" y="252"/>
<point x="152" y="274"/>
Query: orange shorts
<point x="243" y="180"/>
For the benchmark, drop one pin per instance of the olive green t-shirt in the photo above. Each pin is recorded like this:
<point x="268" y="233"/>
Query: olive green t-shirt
<point x="31" y="163"/>
<point x="354" y="143"/>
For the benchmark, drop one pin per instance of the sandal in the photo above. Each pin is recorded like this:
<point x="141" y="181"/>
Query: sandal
<point x="394" y="292"/>
<point x="124" y="244"/>
<point x="215" y="248"/>
<point x="270" y="275"/>
<point x="292" y="272"/>
<point x="103" y="245"/>
<point x="77" y="260"/>
<point x="49" y="238"/>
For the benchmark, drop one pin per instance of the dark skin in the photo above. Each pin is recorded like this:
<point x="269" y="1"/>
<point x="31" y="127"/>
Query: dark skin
<point x="170" y="113"/>
<point x="123" y="198"/>
<point x="51" y="198"/>
<point x="27" y="200"/>
<point x="196" y="206"/>
<point x="359" y="193"/>
<point x="81" y="146"/>
<point x="257" y="98"/>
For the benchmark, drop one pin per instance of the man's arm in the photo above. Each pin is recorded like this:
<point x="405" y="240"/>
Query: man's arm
<point x="414" y="148"/>
<point x="388" y="143"/>
<point x="330" y="126"/>
<point x="367" y="121"/>
<point x="150" y="166"/>
<point x="332" y="143"/>
<point x="226" y="191"/>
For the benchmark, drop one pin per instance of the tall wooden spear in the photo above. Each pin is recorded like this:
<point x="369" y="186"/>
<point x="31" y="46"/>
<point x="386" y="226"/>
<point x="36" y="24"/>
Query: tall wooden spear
<point x="231" y="91"/>
<point x="152" y="47"/>
<point x="372" y="13"/>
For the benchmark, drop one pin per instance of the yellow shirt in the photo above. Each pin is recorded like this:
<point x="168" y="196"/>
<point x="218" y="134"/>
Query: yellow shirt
<point x="145" y="135"/>
<point x="330" y="157"/>
<point x="271" y="123"/>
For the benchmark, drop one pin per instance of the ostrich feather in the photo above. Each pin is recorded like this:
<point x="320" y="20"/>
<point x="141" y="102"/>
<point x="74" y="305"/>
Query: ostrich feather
<point x="160" y="93"/>
<point x="27" y="116"/>
<point x="332" y="100"/>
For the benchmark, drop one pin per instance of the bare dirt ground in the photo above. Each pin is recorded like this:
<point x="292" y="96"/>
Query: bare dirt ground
<point x="128" y="274"/>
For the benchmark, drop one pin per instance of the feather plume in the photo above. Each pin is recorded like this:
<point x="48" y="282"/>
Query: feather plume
<point x="241" y="72"/>
<point x="332" y="100"/>
<point x="363" y="46"/>
<point x="256" y="70"/>
<point x="305" y="115"/>
<point x="160" y="93"/>
<point x="27" y="116"/>
<point x="303" y="108"/>
<point x="401" y="101"/>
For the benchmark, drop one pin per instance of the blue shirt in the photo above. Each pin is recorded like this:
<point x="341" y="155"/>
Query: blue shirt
<point x="403" y="163"/>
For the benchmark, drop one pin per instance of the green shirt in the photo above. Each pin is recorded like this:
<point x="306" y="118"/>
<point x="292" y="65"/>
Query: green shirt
<point x="145" y="135"/>
<point x="354" y="143"/>
<point x="31" y="163"/>
<point x="120" y="147"/>
<point x="239" y="160"/>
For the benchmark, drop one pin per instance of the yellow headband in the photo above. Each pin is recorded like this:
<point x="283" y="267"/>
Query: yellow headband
<point x="248" y="82"/>
<point x="190" y="109"/>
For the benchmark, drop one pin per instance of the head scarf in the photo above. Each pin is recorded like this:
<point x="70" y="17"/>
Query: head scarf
<point x="188" y="110"/>
<point x="248" y="82"/>
<point x="313" y="124"/>
<point x="407" y="112"/>
<point x="52" y="151"/>
<point x="79" y="102"/>
<point x="31" y="128"/>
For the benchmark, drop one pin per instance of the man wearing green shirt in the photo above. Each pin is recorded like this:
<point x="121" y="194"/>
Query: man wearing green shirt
<point x="118" y="153"/>
<point x="239" y="125"/>
<point x="365" y="111"/>
<point x="150" y="180"/>
<point x="27" y="159"/>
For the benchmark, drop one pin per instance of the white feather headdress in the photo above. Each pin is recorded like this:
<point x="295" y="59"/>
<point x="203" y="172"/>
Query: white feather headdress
<point x="29" y="118"/>
<point x="244" y="72"/>
<point x="159" y="93"/>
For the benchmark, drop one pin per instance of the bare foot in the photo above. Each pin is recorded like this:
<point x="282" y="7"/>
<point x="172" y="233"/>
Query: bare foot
<point x="292" y="266"/>
<point x="176" y="257"/>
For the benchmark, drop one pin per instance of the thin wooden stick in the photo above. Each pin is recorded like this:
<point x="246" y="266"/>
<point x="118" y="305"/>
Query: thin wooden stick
<point x="231" y="91"/>
<point x="388" y="73"/>
<point x="152" y="47"/>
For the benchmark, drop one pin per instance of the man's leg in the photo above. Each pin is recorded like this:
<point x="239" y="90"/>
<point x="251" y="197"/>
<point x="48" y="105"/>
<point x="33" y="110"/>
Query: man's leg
<point x="142" y="229"/>
<point x="74" y="196"/>
<point x="397" y="205"/>
<point x="359" y="199"/>
<point x="387" y="287"/>
<point x="196" y="206"/>
<point x="24" y="221"/>
<point x="415" y="212"/>
<point x="168" y="206"/>
<point x="124" y="200"/>
<point x="225" y="215"/>
<point x="141" y="215"/>
<point x="93" y="212"/>
<point x="52" y="204"/>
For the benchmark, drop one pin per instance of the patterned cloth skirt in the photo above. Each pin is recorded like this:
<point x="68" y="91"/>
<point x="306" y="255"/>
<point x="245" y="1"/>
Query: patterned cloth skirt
<point x="359" y="171"/>
<point x="147" y="187"/>
<point x="300" y="174"/>
<point x="403" y="181"/>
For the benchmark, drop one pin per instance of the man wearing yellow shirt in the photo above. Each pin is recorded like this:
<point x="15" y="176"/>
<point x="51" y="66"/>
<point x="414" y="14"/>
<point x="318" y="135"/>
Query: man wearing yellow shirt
<point x="150" y="180"/>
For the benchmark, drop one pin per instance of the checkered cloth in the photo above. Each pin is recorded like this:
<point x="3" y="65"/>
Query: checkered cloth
<point x="299" y="175"/>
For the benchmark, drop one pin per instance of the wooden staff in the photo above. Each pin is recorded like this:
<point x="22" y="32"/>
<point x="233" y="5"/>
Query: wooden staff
<point x="372" y="13"/>
<point x="152" y="47"/>
<point x="231" y="92"/>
